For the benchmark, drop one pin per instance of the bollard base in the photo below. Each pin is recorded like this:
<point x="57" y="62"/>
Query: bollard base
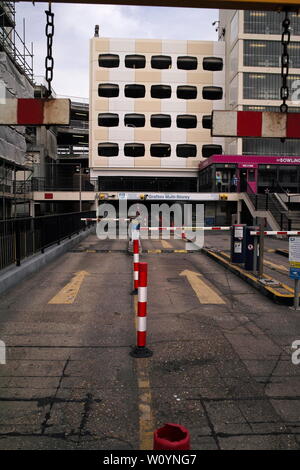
<point x="134" y="292"/>
<point x="141" y="351"/>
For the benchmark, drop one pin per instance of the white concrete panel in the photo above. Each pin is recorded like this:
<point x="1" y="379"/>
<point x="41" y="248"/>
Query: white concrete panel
<point x="118" y="45"/>
<point x="173" y="135"/>
<point x="173" y="75"/>
<point x="118" y="104"/>
<point x="174" y="47"/>
<point x="178" y="106"/>
<point x="123" y="75"/>
<point x="117" y="134"/>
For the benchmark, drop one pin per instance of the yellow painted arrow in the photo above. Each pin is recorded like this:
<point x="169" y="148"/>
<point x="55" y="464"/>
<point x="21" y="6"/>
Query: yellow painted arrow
<point x="165" y="244"/>
<point x="68" y="294"/>
<point x="205" y="294"/>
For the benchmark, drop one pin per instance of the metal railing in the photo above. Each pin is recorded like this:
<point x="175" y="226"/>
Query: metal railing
<point x="268" y="202"/>
<point x="13" y="44"/>
<point x="21" y="238"/>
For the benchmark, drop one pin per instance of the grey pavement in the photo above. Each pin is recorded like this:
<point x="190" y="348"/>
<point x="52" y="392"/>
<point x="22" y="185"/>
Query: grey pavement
<point x="222" y="370"/>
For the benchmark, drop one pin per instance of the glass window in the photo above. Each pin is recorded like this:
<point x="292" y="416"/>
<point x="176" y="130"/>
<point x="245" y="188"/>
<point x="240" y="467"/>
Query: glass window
<point x="187" y="63"/>
<point x="134" y="150"/>
<point x="161" y="91"/>
<point x="108" y="60"/>
<point x="187" y="92"/>
<point x="135" y="61"/>
<point x="160" y="120"/>
<point x="268" y="53"/>
<point x="269" y="22"/>
<point x="108" y="90"/>
<point x="108" y="119"/>
<point x="160" y="150"/>
<point x="186" y="150"/>
<point x="287" y="174"/>
<point x="135" y="91"/>
<point x="161" y="62"/>
<point x="108" y="149"/>
<point x="264" y="86"/>
<point x="186" y="121"/>
<point x="272" y="147"/>
<point x="134" y="120"/>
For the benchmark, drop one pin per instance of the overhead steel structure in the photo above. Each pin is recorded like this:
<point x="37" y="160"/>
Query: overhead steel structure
<point x="224" y="4"/>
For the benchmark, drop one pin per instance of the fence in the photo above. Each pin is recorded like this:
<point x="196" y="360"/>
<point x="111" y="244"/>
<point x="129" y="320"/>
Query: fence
<point x="21" y="238"/>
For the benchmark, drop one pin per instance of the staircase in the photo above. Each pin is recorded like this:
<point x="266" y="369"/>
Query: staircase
<point x="271" y="207"/>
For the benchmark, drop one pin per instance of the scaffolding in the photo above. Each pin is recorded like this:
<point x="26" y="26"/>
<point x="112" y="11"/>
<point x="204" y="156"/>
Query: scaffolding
<point x="12" y="43"/>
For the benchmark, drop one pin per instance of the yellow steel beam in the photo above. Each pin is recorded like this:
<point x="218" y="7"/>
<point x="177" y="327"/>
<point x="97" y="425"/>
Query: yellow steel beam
<point x="226" y="4"/>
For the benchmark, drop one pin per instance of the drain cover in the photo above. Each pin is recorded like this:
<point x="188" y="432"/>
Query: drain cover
<point x="269" y="282"/>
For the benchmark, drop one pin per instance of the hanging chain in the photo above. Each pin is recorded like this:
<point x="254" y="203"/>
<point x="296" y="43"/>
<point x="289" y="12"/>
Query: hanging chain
<point x="49" y="61"/>
<point x="285" y="62"/>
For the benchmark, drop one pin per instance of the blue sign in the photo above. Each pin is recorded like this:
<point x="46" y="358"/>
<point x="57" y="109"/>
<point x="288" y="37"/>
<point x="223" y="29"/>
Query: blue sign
<point x="295" y="273"/>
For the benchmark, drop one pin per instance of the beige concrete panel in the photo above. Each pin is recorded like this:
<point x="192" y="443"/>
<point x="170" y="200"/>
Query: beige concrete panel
<point x="101" y="75"/>
<point x="101" y="134"/>
<point x="199" y="106"/>
<point x="200" y="48"/>
<point x="147" y="162"/>
<point x="198" y="135"/>
<point x="100" y="45"/>
<point x="99" y="162"/>
<point x="147" y="135"/>
<point x="149" y="76"/>
<point x="101" y="104"/>
<point x="199" y="78"/>
<point x="193" y="162"/>
<point x="174" y="47"/>
<point x="151" y="106"/>
<point x="143" y="46"/>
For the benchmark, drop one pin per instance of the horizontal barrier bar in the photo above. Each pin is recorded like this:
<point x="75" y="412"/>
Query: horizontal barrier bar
<point x="276" y="233"/>
<point x="185" y="228"/>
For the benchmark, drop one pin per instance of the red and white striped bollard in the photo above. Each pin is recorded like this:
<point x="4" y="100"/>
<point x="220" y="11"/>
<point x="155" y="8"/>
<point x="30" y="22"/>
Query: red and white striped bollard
<point x="141" y="350"/>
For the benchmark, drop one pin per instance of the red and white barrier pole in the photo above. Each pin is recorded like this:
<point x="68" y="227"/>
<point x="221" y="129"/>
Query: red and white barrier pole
<point x="136" y="260"/>
<point x="141" y="350"/>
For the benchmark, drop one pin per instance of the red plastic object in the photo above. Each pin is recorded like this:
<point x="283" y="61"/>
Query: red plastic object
<point x="171" y="437"/>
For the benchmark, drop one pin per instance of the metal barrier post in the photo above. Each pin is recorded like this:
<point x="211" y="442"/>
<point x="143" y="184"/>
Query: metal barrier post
<point x="261" y="250"/>
<point x="296" y="298"/>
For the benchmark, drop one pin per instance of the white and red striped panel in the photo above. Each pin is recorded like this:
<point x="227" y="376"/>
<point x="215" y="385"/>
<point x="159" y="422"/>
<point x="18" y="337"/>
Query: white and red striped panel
<point x="255" y="124"/>
<point x="35" y="112"/>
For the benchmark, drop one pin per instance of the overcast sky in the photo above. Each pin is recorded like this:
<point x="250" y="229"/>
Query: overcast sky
<point x="74" y="25"/>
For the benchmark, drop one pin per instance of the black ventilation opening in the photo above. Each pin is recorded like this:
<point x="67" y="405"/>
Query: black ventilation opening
<point x="161" y="91"/>
<point x="135" y="91"/>
<point x="135" y="61"/>
<point x="109" y="60"/>
<point x="186" y="121"/>
<point x="207" y="121"/>
<point x="161" y="62"/>
<point x="186" y="150"/>
<point x="134" y="150"/>
<point x="108" y="119"/>
<point x="187" y="92"/>
<point x="213" y="64"/>
<point x="134" y="120"/>
<point x="211" y="149"/>
<point x="108" y="149"/>
<point x="108" y="90"/>
<point x="160" y="150"/>
<point x="212" y="93"/>
<point x="160" y="120"/>
<point x="187" y="63"/>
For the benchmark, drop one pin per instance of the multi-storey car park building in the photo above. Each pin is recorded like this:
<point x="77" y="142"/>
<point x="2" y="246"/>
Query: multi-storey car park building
<point x="146" y="111"/>
<point x="253" y="73"/>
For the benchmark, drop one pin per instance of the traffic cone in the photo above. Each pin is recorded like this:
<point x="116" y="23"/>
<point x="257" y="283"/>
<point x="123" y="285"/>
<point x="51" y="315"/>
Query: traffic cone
<point x="171" y="437"/>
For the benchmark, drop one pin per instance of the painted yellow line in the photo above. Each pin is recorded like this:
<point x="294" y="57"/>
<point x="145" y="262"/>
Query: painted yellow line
<point x="279" y="267"/>
<point x="90" y="251"/>
<point x="180" y="251"/>
<point x="270" y="250"/>
<point x="68" y="294"/>
<point x="246" y="274"/>
<point x="154" y="251"/>
<point x="165" y="244"/>
<point x="205" y="294"/>
<point x="146" y="419"/>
